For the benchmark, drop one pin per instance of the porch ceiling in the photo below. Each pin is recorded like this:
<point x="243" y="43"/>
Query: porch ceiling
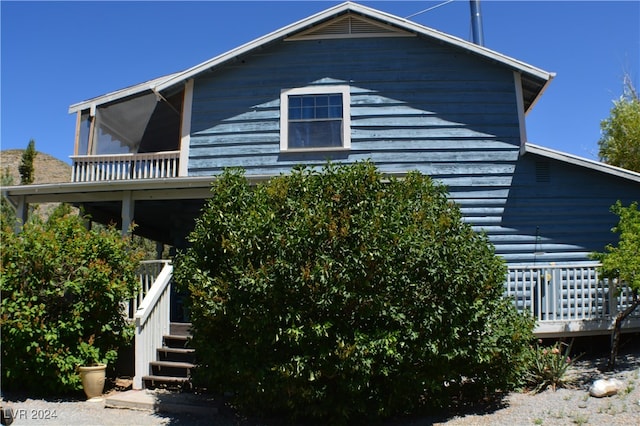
<point x="165" y="221"/>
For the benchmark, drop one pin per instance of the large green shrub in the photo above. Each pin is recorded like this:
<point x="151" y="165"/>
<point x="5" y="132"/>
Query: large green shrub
<point x="337" y="294"/>
<point x="62" y="293"/>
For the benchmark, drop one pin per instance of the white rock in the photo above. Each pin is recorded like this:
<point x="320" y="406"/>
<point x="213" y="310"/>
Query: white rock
<point x="605" y="387"/>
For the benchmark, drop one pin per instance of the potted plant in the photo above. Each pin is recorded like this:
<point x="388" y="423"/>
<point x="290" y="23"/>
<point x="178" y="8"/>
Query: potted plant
<point x="92" y="369"/>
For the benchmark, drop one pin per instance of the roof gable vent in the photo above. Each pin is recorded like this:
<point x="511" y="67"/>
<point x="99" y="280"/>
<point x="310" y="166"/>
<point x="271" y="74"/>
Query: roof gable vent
<point x="543" y="172"/>
<point x="350" y="26"/>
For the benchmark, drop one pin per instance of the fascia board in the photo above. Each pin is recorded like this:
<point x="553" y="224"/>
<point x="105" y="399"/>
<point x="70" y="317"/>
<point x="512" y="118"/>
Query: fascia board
<point x="368" y="12"/>
<point x="119" y="94"/>
<point x="165" y="82"/>
<point x="456" y="41"/>
<point x="582" y="162"/>
<point x="247" y="47"/>
<point x="91" y="190"/>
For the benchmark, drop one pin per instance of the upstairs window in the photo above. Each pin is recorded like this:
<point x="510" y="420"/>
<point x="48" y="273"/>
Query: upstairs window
<point x="315" y="118"/>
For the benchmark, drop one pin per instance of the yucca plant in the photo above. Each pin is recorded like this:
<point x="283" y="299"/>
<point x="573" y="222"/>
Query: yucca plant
<point x="549" y="366"/>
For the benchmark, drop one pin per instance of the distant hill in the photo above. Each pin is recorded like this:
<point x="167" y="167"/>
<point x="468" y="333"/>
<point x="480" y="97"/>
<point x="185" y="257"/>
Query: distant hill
<point x="48" y="169"/>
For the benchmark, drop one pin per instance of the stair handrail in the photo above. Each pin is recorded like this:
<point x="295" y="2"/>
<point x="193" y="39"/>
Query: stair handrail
<point x="153" y="295"/>
<point x="152" y="322"/>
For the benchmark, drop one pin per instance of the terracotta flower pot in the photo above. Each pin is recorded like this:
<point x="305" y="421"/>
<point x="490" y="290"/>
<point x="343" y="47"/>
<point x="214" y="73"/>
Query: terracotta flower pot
<point x="93" y="377"/>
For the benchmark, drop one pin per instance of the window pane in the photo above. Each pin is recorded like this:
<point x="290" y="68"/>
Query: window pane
<point x="315" y="121"/>
<point x="85" y="126"/>
<point x="295" y="113"/>
<point x="315" y="134"/>
<point x="120" y="127"/>
<point x="335" y="100"/>
<point x="308" y="101"/>
<point x="322" y="112"/>
<point x="295" y="101"/>
<point x="335" y="111"/>
<point x="308" y="113"/>
<point x="322" y="100"/>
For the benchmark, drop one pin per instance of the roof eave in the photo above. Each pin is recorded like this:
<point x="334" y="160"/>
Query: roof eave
<point x="582" y="162"/>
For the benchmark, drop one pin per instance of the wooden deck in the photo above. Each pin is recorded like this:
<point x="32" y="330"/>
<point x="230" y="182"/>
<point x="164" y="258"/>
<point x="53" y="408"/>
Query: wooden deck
<point x="569" y="300"/>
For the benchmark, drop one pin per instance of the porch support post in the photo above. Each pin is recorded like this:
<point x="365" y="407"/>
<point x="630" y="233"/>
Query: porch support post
<point x="128" y="208"/>
<point x="22" y="214"/>
<point x="185" y="129"/>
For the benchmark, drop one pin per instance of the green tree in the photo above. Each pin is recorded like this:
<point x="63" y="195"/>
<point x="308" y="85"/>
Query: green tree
<point x="62" y="292"/>
<point x="26" y="167"/>
<point x="620" y="140"/>
<point x="340" y="294"/>
<point x="622" y="263"/>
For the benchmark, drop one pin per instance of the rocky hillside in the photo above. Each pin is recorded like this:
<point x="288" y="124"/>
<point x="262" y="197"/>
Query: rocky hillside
<point x="48" y="169"/>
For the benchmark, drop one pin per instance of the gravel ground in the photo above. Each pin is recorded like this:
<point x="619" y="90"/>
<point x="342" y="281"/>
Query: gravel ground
<point x="571" y="406"/>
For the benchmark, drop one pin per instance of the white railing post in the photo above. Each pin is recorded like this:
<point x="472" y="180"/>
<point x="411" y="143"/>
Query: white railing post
<point x="96" y="168"/>
<point x="152" y="322"/>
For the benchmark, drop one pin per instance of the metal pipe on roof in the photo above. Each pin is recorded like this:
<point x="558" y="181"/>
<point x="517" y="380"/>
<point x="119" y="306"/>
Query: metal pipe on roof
<point x="476" y="23"/>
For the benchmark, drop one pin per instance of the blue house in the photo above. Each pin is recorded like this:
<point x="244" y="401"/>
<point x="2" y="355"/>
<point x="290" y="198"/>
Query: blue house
<point x="347" y="84"/>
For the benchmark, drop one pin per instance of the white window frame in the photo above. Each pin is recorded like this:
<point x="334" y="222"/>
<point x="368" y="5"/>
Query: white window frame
<point x="316" y="90"/>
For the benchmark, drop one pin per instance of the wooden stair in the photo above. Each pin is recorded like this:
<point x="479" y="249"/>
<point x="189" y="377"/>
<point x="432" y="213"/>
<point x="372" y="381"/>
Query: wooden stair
<point x="174" y="360"/>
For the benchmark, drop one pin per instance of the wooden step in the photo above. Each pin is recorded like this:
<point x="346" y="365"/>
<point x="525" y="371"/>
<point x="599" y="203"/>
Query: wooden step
<point x="175" y="341"/>
<point x="152" y="381"/>
<point x="180" y="328"/>
<point x="173" y="364"/>
<point x="176" y="354"/>
<point x="171" y="368"/>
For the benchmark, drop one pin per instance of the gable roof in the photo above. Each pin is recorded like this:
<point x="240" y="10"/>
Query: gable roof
<point x="534" y="80"/>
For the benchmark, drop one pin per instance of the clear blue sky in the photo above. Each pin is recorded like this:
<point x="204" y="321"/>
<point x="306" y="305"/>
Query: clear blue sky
<point x="55" y="54"/>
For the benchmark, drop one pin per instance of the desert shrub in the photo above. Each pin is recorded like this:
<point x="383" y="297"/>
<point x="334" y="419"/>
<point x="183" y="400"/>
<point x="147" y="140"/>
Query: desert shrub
<point x="62" y="293"/>
<point x="548" y="366"/>
<point x="339" y="294"/>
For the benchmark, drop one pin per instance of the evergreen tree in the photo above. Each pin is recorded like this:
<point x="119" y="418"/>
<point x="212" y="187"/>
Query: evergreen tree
<point x="26" y="167"/>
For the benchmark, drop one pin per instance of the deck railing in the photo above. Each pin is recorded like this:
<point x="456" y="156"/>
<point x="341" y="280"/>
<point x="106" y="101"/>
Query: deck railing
<point x="148" y="272"/>
<point x="97" y="168"/>
<point x="152" y="321"/>
<point x="566" y="293"/>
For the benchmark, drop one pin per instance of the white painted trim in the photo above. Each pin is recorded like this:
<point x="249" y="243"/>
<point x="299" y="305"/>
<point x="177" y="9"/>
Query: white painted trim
<point x="522" y="123"/>
<point x="575" y="328"/>
<point x="318" y="32"/>
<point x="77" y="134"/>
<point x="342" y="89"/>
<point x="185" y="131"/>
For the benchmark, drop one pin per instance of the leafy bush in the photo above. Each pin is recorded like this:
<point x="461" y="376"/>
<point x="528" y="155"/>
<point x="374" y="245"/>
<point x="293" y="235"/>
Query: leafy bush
<point x="62" y="293"/>
<point x="621" y="264"/>
<point x="340" y="294"/>
<point x="549" y="365"/>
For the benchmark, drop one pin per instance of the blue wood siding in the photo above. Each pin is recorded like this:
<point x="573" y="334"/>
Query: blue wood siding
<point x="415" y="105"/>
<point x="558" y="212"/>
